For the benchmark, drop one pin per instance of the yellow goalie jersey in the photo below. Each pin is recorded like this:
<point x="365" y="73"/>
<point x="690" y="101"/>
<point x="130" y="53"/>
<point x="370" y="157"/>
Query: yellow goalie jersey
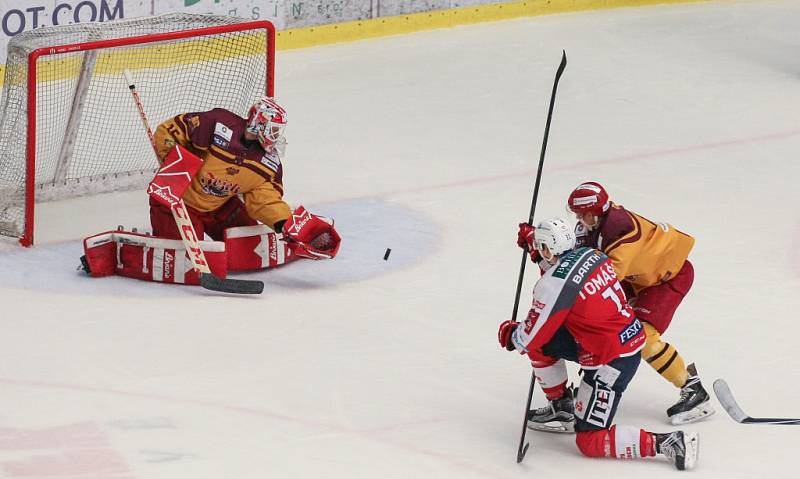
<point x="232" y="165"/>
<point x="644" y="253"/>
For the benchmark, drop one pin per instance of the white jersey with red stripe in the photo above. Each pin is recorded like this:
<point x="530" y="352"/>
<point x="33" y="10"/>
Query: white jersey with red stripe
<point x="582" y="292"/>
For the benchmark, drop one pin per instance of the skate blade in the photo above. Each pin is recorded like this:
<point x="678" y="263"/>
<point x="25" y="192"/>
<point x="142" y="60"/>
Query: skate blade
<point x="699" y="413"/>
<point x="692" y="442"/>
<point x="553" y="426"/>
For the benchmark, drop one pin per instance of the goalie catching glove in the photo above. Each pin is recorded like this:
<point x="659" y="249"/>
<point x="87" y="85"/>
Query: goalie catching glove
<point x="311" y="236"/>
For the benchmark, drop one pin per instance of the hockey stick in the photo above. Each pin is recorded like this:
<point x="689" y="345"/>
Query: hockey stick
<point x="186" y="228"/>
<point x="725" y="398"/>
<point x="523" y="446"/>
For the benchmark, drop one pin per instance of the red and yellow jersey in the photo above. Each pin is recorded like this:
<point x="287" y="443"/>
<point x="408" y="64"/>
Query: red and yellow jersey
<point x="644" y="253"/>
<point x="232" y="165"/>
<point x="582" y="293"/>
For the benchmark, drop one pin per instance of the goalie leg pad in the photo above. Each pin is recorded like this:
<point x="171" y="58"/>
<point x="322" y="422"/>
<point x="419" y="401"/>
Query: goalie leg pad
<point x="149" y="258"/>
<point x="99" y="255"/>
<point x="256" y="247"/>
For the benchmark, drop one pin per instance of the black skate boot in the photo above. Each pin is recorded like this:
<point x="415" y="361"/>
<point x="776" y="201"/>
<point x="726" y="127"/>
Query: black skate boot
<point x="558" y="416"/>
<point x="694" y="404"/>
<point x="680" y="447"/>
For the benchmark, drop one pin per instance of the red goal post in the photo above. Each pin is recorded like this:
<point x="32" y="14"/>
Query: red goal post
<point x="68" y="127"/>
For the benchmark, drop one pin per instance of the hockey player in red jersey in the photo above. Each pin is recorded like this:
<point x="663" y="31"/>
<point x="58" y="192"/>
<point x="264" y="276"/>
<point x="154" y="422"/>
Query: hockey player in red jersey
<point x="652" y="260"/>
<point x="579" y="313"/>
<point x="233" y="193"/>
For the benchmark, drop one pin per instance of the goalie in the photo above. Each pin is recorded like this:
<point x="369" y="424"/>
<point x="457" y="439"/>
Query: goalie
<point x="227" y="169"/>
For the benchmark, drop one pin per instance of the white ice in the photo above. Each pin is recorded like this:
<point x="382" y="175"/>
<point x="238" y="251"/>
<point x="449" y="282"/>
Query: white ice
<point x="428" y="144"/>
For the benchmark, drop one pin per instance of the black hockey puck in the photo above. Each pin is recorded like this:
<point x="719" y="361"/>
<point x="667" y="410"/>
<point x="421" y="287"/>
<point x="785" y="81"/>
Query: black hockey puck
<point x="386" y="255"/>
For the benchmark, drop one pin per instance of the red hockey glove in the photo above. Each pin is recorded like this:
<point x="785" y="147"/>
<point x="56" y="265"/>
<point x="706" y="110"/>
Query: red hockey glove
<point x="525" y="238"/>
<point x="507" y="328"/>
<point x="311" y="236"/>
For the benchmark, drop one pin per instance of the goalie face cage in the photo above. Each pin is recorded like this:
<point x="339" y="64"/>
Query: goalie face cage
<point x="69" y="127"/>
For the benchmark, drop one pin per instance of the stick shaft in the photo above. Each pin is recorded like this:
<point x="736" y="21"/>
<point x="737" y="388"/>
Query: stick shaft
<point x="523" y="448"/>
<point x="179" y="211"/>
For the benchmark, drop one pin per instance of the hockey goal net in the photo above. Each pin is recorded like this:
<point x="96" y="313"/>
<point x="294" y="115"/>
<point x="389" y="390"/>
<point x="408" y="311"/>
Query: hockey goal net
<point x="69" y="127"/>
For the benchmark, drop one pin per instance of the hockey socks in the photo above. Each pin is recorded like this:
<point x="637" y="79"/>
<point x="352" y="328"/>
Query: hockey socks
<point x="620" y="442"/>
<point x="551" y="377"/>
<point x="625" y="442"/>
<point x="663" y="357"/>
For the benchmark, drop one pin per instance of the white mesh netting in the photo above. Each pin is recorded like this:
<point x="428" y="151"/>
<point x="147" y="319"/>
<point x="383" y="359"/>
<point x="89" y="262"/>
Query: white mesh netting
<point x="89" y="138"/>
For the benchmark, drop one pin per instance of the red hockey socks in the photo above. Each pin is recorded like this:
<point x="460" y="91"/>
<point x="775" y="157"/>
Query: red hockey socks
<point x="620" y="442"/>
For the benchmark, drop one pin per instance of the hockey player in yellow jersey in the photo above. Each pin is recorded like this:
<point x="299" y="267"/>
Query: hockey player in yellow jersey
<point x="651" y="258"/>
<point x="240" y="184"/>
<point x="227" y="170"/>
<point x="234" y="163"/>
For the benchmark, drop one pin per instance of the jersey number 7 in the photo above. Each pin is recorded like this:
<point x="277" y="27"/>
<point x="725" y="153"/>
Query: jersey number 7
<point x="610" y="293"/>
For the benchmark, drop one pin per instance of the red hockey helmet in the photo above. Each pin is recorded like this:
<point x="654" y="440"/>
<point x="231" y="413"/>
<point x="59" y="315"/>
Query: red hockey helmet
<point x="267" y="120"/>
<point x="589" y="197"/>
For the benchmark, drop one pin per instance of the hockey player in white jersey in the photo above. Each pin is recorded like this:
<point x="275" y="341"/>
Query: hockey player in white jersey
<point x="579" y="301"/>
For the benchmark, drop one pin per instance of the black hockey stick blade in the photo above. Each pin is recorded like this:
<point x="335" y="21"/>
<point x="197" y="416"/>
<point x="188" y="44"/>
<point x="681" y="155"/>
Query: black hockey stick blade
<point x="235" y="286"/>
<point x="521" y="453"/>
<point x="725" y="398"/>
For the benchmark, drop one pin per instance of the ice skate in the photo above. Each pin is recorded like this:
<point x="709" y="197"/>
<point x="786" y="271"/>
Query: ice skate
<point x="558" y="416"/>
<point x="695" y="402"/>
<point x="680" y="447"/>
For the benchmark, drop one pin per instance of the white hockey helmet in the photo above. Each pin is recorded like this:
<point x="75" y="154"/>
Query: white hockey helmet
<point x="556" y="234"/>
<point x="267" y="120"/>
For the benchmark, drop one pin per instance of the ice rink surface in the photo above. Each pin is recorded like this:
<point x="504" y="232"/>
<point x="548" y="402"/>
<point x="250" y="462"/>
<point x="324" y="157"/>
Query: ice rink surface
<point x="428" y="144"/>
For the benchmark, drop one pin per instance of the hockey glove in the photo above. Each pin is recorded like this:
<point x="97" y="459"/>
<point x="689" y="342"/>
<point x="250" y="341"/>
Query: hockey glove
<point x="525" y="239"/>
<point x="311" y="236"/>
<point x="507" y="328"/>
<point x="174" y="177"/>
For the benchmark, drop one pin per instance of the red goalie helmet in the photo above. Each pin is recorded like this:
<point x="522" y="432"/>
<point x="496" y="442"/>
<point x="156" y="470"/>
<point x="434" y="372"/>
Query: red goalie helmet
<point x="589" y="197"/>
<point x="267" y="120"/>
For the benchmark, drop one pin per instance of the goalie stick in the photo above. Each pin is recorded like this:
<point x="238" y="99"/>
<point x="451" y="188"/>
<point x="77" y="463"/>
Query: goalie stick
<point x="186" y="229"/>
<point x="523" y="446"/>
<point x="725" y="398"/>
